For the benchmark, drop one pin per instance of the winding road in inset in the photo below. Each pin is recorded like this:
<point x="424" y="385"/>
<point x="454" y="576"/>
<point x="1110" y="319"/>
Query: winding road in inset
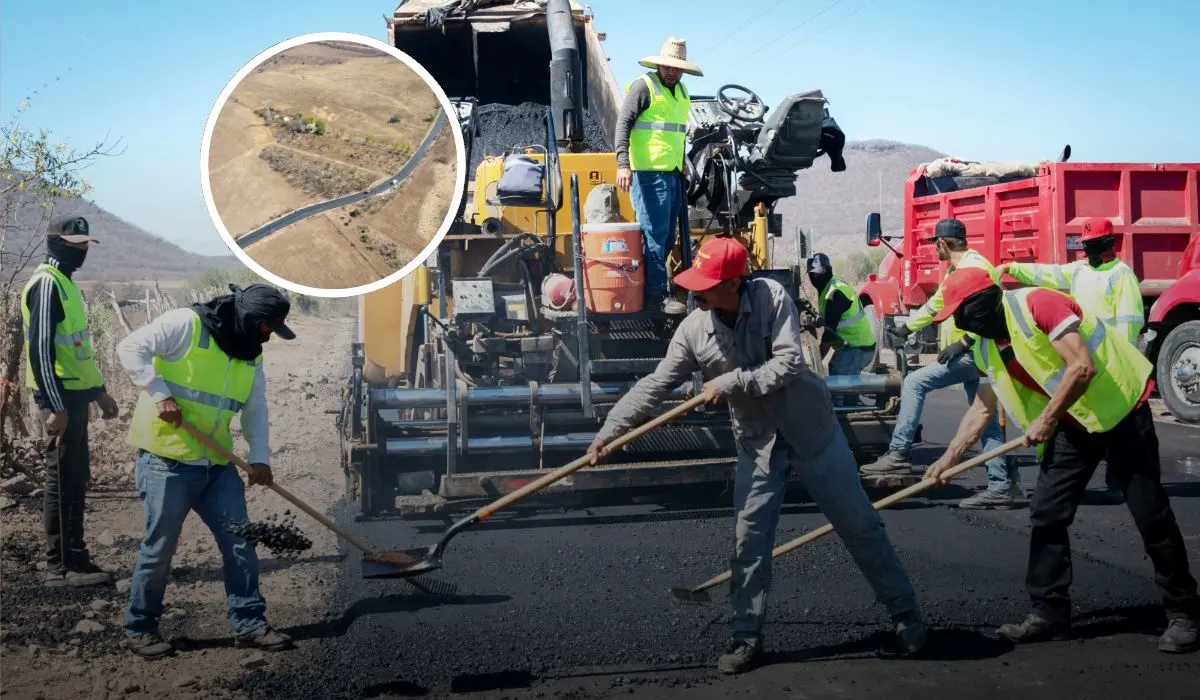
<point x="320" y="207"/>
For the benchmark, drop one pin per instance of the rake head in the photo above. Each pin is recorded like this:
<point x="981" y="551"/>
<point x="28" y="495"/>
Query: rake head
<point x="693" y="596"/>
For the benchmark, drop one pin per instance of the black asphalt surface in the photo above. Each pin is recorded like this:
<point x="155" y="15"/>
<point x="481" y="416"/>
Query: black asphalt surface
<point x="575" y="605"/>
<point x="313" y="209"/>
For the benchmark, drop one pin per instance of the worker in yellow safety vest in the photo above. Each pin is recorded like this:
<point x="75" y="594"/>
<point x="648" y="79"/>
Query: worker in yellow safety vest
<point x="650" y="143"/>
<point x="1103" y="285"/>
<point x="848" y="331"/>
<point x="62" y="376"/>
<point x="954" y="366"/>
<point x="1080" y="392"/>
<point x="201" y="364"/>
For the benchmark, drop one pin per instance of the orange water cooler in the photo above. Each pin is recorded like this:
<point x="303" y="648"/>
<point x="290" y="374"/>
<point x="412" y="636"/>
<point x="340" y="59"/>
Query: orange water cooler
<point x="614" y="276"/>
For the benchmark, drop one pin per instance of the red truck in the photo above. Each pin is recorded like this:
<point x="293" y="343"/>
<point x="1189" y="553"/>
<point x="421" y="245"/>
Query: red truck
<point x="1033" y="215"/>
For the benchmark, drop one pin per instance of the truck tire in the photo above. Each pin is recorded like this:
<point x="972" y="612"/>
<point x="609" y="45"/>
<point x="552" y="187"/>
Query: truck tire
<point x="1178" y="372"/>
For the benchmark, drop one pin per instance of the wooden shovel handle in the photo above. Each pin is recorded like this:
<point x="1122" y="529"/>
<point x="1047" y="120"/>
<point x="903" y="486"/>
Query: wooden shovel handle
<point x="568" y="469"/>
<point x="882" y="503"/>
<point x="317" y="515"/>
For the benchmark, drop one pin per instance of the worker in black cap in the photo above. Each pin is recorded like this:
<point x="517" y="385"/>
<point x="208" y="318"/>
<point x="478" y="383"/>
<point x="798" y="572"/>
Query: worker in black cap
<point x="954" y="366"/>
<point x="202" y="365"/>
<point x="847" y="329"/>
<point x="61" y="371"/>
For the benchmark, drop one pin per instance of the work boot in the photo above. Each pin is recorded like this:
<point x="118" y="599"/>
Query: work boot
<point x="890" y="463"/>
<point x="263" y="638"/>
<point x="54" y="579"/>
<point x="672" y="306"/>
<point x="87" y="574"/>
<point x="911" y="635"/>
<point x="1034" y="628"/>
<point x="1112" y="497"/>
<point x="739" y="657"/>
<point x="148" y="646"/>
<point x="1180" y="637"/>
<point x="989" y="500"/>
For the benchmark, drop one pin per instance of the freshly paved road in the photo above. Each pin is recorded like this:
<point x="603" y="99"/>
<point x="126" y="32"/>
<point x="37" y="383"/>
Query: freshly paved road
<point x="575" y="605"/>
<point x="313" y="209"/>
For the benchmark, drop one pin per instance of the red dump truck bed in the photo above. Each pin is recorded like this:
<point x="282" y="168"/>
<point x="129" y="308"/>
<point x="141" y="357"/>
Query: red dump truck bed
<point x="1035" y="216"/>
<point x="1154" y="207"/>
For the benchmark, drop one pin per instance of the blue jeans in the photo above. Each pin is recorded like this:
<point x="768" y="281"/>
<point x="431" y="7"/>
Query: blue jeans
<point x="657" y="198"/>
<point x="1001" y="471"/>
<point x="169" y="490"/>
<point x="832" y="481"/>
<point x="848" y="361"/>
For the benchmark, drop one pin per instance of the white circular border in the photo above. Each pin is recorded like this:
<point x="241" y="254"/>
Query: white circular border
<point x="455" y="200"/>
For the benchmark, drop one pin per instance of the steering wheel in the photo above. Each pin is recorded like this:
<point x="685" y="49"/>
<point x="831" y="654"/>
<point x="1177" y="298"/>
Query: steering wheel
<point x="749" y="109"/>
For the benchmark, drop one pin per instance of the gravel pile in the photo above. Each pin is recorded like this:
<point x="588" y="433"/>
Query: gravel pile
<point x="503" y="127"/>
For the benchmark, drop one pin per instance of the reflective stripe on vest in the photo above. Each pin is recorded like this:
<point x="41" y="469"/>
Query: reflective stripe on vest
<point x="74" y="361"/>
<point x="209" y="386"/>
<point x="657" y="139"/>
<point x="1120" y="379"/>
<point x="1095" y="289"/>
<point x="854" y="328"/>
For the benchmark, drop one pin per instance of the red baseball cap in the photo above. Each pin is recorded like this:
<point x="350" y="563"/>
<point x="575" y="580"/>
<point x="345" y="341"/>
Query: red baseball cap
<point x="719" y="259"/>
<point x="959" y="285"/>
<point x="1095" y="227"/>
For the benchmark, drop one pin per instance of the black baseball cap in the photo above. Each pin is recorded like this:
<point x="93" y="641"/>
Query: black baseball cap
<point x="72" y="229"/>
<point x="948" y="228"/>
<point x="270" y="305"/>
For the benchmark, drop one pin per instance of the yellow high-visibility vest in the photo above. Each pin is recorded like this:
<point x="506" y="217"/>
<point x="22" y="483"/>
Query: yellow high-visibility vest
<point x="209" y="386"/>
<point x="1110" y="292"/>
<point x="948" y="332"/>
<point x="854" y="328"/>
<point x="657" y="139"/>
<point x="1121" y="371"/>
<point x="74" y="363"/>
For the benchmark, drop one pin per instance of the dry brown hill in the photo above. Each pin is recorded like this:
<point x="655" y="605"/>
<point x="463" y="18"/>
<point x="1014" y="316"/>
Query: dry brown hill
<point x="126" y="252"/>
<point x="834" y="206"/>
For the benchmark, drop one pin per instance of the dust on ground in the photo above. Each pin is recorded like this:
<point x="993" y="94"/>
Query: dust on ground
<point x="64" y="643"/>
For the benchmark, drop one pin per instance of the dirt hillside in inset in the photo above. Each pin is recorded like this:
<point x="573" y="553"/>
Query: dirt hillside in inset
<point x="365" y="112"/>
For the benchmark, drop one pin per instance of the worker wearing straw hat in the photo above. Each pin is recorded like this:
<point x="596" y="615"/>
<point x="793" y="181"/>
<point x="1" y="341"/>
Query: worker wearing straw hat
<point x="650" y="142"/>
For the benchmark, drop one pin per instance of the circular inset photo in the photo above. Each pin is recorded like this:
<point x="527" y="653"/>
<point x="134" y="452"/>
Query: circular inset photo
<point x="332" y="164"/>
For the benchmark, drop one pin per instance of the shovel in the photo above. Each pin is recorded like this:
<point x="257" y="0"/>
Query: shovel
<point x="418" y="561"/>
<point x="381" y="560"/>
<point x="699" y="594"/>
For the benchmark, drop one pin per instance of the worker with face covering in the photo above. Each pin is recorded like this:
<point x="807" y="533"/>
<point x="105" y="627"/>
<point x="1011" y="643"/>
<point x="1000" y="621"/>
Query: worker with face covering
<point x="1103" y="285"/>
<point x="201" y="364"/>
<point x="61" y="372"/>
<point x="953" y="366"/>
<point x="847" y="328"/>
<point x="1080" y="392"/>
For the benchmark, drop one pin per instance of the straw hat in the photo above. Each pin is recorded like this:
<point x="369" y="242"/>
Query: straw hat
<point x="672" y="55"/>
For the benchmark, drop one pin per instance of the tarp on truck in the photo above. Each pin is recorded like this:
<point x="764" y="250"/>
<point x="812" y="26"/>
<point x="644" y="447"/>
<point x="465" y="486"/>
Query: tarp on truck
<point x="954" y="167"/>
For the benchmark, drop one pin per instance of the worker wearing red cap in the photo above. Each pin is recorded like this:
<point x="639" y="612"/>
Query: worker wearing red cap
<point x="745" y="339"/>
<point x="1079" y="390"/>
<point x="1103" y="285"/>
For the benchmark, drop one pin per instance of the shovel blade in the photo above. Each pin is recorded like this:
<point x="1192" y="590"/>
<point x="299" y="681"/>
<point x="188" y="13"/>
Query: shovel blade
<point x="399" y="564"/>
<point x="687" y="595"/>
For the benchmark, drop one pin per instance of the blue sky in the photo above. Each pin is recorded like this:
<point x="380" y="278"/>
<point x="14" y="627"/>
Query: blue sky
<point x="977" y="79"/>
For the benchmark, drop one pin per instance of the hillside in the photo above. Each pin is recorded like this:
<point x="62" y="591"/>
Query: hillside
<point x="834" y="206"/>
<point x="125" y="252"/>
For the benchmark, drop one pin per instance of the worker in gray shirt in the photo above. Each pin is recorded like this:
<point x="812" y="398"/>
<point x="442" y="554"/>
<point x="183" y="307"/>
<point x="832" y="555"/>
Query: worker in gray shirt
<point x="745" y="339"/>
<point x="651" y="142"/>
<point x="202" y="365"/>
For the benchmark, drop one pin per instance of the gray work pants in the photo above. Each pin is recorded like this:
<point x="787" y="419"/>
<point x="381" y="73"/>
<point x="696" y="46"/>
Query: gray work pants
<point x="832" y="481"/>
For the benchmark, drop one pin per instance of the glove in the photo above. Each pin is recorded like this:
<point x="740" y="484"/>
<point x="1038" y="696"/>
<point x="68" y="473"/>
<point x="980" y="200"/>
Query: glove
<point x="952" y="351"/>
<point x="899" y="334"/>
